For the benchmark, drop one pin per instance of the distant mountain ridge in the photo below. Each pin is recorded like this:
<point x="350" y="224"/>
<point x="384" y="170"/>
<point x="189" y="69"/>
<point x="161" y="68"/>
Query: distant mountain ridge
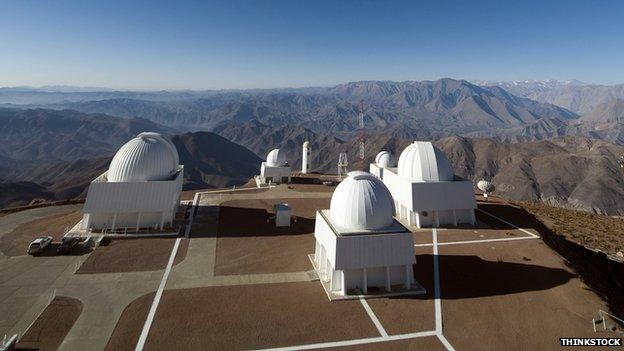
<point x="443" y="107"/>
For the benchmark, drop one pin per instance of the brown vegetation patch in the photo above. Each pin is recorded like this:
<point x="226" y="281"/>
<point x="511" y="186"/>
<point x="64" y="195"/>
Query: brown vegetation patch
<point x="16" y="242"/>
<point x="588" y="229"/>
<point x="50" y="328"/>
<point x="132" y="255"/>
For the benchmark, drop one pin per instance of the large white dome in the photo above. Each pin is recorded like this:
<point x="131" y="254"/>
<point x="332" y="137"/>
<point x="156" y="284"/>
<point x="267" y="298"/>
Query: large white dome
<point x="385" y="159"/>
<point x="362" y="202"/>
<point x="149" y="156"/>
<point x="276" y="158"/>
<point x="421" y="161"/>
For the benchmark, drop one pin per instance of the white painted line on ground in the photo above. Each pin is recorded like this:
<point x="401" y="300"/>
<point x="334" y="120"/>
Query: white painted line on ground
<point x="437" y="292"/>
<point x="161" y="287"/>
<point x="445" y="342"/>
<point x="478" y="241"/>
<point x="513" y="225"/>
<point x="372" y="316"/>
<point x="436" y="283"/>
<point x="353" y="342"/>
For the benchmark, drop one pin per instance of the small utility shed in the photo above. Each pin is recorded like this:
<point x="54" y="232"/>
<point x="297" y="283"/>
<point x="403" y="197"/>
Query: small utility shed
<point x="282" y="215"/>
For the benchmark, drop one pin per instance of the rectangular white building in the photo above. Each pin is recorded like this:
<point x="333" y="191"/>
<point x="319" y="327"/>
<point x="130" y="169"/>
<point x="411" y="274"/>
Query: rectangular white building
<point x="346" y="261"/>
<point x="132" y="205"/>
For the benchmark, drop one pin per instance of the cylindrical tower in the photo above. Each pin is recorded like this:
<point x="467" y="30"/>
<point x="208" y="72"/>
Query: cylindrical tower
<point x="306" y="158"/>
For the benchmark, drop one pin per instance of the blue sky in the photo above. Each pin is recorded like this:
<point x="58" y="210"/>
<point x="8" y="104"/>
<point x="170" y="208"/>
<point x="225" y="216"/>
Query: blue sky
<point x="264" y="44"/>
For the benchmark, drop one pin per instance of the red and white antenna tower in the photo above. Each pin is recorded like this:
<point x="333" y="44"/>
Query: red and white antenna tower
<point x="361" y="135"/>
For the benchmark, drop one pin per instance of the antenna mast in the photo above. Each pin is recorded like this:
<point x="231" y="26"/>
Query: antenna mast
<point x="361" y="135"/>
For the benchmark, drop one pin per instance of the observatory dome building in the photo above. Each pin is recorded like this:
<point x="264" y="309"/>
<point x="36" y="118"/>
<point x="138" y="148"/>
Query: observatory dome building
<point x="275" y="169"/>
<point x="383" y="160"/>
<point x="359" y="244"/>
<point x="425" y="190"/>
<point x="140" y="190"/>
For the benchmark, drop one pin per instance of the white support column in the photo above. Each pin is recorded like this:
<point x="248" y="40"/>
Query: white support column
<point x="343" y="285"/>
<point x="138" y="221"/>
<point x="364" y="281"/>
<point x="408" y="279"/>
<point x="473" y="220"/>
<point x="436" y="218"/>
<point x="454" y="218"/>
<point x="388" y="287"/>
<point x="114" y="221"/>
<point x="162" y="220"/>
<point x="417" y="215"/>
<point x="328" y="271"/>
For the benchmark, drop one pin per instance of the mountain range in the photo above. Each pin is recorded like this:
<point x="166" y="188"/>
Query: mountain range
<point x="533" y="150"/>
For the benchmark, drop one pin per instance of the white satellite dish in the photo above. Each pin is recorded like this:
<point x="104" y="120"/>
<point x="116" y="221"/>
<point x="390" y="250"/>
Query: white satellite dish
<point x="485" y="186"/>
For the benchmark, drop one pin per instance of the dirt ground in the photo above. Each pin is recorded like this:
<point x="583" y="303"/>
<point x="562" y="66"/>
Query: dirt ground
<point x="429" y="343"/>
<point x="487" y="227"/>
<point x="255" y="245"/>
<point x="49" y="330"/>
<point x="128" y="329"/>
<point x="588" y="229"/>
<point x="133" y="255"/>
<point x="409" y="314"/>
<point x="16" y="242"/>
<point x="248" y="317"/>
<point x="513" y="296"/>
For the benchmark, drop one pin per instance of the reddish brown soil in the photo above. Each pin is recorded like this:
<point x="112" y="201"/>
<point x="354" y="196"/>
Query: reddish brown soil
<point x="425" y="343"/>
<point x="50" y="328"/>
<point x="16" y="242"/>
<point x="246" y="317"/>
<point x="409" y="314"/>
<point x="513" y="296"/>
<point x="133" y="255"/>
<point x="255" y="245"/>
<point x="128" y="329"/>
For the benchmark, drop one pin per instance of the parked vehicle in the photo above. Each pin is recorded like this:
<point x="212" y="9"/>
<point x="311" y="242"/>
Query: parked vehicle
<point x="39" y="244"/>
<point x="67" y="245"/>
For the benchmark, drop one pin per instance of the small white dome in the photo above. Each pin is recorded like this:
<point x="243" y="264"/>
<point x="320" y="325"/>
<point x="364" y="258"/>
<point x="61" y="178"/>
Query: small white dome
<point x="149" y="156"/>
<point x="362" y="202"/>
<point x="306" y="144"/>
<point x="385" y="159"/>
<point x="276" y="158"/>
<point x="423" y="162"/>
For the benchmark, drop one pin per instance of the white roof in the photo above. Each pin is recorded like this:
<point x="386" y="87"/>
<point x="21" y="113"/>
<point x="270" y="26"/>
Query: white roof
<point x="149" y="156"/>
<point x="385" y="159"/>
<point x="361" y="202"/>
<point x="276" y="158"/>
<point x="423" y="162"/>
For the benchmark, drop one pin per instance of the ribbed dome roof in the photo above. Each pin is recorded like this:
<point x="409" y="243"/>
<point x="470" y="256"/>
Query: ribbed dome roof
<point x="362" y="202"/>
<point x="149" y="156"/>
<point x="385" y="159"/>
<point x="276" y="158"/>
<point x="423" y="162"/>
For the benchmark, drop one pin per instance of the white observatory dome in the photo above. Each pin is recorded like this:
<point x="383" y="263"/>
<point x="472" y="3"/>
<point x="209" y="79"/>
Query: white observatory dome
<point x="276" y="158"/>
<point x="362" y="202"/>
<point x="423" y="162"/>
<point x="149" y="156"/>
<point x="385" y="159"/>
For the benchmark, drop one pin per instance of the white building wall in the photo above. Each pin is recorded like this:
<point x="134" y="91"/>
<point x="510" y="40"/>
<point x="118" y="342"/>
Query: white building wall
<point x="131" y="204"/>
<point x="344" y="259"/>
<point x="445" y="203"/>
<point x="274" y="174"/>
<point x="375" y="170"/>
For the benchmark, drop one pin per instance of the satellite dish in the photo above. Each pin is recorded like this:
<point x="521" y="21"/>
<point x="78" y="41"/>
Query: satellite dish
<point x="485" y="186"/>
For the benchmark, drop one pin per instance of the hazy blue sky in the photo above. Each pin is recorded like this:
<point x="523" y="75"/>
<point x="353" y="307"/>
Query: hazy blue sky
<point x="247" y="44"/>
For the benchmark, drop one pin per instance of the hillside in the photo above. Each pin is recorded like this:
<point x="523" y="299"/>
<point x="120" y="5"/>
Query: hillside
<point x="442" y="107"/>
